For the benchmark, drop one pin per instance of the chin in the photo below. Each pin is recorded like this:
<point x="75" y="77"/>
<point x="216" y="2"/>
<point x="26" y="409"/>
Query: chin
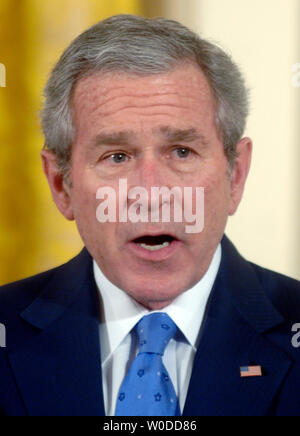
<point x="154" y="302"/>
<point x="156" y="294"/>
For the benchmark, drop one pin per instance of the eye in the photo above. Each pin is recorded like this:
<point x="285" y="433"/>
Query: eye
<point x="182" y="152"/>
<point x="117" y="157"/>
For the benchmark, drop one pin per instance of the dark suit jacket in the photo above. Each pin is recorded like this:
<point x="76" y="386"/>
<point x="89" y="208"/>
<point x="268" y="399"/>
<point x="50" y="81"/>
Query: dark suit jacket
<point x="51" y="364"/>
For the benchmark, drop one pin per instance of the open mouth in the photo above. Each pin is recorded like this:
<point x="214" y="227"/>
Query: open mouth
<point x="154" y="243"/>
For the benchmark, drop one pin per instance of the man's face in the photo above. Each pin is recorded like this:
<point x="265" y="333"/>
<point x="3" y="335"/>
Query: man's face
<point x="153" y="131"/>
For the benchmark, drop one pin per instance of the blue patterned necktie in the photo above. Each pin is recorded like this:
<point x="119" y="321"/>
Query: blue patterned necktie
<point x="147" y="389"/>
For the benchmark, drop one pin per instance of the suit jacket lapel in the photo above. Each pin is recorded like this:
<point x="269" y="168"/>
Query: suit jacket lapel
<point x="237" y="317"/>
<point x="58" y="369"/>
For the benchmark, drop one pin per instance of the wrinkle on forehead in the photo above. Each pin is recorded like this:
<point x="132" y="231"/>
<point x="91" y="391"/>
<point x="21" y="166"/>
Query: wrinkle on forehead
<point x="131" y="99"/>
<point x="122" y="85"/>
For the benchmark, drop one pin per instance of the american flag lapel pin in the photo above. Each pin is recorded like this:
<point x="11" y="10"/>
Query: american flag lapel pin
<point x="251" y="371"/>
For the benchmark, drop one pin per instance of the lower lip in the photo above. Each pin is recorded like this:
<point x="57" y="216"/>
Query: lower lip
<point x="157" y="255"/>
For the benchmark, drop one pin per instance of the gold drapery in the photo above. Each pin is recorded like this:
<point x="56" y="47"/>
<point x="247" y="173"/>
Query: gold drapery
<point x="33" y="33"/>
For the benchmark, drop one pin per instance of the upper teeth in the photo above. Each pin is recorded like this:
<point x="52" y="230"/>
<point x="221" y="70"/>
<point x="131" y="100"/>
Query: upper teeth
<point x="154" y="247"/>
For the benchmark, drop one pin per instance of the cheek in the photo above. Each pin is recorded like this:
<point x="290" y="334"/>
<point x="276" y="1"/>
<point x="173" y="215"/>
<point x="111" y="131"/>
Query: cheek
<point x="84" y="205"/>
<point x="217" y="197"/>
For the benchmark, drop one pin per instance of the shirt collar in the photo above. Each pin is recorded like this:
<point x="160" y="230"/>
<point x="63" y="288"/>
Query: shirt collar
<point x="120" y="312"/>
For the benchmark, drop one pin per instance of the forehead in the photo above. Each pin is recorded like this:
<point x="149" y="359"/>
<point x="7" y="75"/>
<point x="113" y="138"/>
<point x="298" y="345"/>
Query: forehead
<point x="182" y="95"/>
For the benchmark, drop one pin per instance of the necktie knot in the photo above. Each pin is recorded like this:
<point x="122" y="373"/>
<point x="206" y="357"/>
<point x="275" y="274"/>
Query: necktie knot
<point x="155" y="332"/>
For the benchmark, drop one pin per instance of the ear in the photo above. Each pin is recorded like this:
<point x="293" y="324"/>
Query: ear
<point x="59" y="188"/>
<point x="240" y="173"/>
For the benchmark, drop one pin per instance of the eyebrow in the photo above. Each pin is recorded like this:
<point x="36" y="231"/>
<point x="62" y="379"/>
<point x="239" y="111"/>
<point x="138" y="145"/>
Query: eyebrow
<point x="113" y="138"/>
<point x="182" y="135"/>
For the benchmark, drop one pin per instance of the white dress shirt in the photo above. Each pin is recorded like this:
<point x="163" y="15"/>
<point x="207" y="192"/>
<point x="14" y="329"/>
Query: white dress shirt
<point x="120" y="313"/>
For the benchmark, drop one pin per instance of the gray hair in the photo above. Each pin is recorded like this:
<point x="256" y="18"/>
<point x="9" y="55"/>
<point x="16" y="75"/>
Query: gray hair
<point x="140" y="46"/>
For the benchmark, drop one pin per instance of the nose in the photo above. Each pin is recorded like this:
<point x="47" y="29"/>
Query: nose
<point x="150" y="171"/>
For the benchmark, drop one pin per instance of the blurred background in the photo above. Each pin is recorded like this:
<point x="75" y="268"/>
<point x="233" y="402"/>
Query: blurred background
<point x="262" y="36"/>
